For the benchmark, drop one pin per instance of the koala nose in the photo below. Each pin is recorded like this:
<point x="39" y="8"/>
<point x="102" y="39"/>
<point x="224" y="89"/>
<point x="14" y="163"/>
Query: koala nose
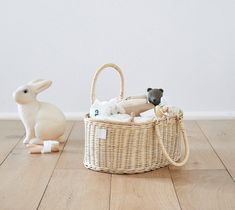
<point x="156" y="102"/>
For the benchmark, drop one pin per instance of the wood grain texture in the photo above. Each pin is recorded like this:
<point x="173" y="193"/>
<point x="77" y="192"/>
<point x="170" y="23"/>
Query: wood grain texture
<point x="77" y="189"/>
<point x="202" y="155"/>
<point x="24" y="177"/>
<point x="204" y="189"/>
<point x="10" y="134"/>
<point x="72" y="186"/>
<point x="72" y="156"/>
<point x="60" y="181"/>
<point x="221" y="135"/>
<point x="149" y="191"/>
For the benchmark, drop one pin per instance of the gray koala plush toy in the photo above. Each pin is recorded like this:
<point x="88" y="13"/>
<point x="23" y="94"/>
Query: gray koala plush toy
<point x="155" y="95"/>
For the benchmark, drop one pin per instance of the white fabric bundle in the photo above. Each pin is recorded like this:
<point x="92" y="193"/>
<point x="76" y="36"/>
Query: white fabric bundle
<point x="47" y="146"/>
<point x="106" y="108"/>
<point x="112" y="111"/>
<point x="125" y="118"/>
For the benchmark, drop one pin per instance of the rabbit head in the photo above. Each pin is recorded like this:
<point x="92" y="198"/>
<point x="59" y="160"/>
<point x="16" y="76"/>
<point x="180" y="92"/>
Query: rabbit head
<point x="28" y="93"/>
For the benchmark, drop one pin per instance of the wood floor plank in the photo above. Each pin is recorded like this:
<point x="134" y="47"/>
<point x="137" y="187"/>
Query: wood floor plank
<point x="77" y="189"/>
<point x="72" y="186"/>
<point x="148" y="191"/>
<point x="72" y="156"/>
<point x="204" y="189"/>
<point x="202" y="156"/>
<point x="221" y="135"/>
<point x="24" y="177"/>
<point x="10" y="134"/>
<point x="60" y="181"/>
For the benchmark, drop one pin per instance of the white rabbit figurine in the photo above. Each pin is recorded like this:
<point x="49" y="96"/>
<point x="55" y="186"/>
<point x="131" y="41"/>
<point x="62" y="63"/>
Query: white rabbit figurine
<point x="42" y="121"/>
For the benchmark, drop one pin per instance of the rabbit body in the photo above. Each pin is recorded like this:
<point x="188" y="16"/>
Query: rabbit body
<point x="42" y="121"/>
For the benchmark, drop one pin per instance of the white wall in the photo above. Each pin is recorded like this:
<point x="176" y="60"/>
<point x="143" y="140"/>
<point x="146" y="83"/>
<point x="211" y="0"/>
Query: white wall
<point x="185" y="47"/>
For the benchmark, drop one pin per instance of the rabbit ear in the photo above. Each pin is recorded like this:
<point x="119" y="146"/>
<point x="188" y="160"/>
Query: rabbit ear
<point x="40" y="85"/>
<point x="35" y="81"/>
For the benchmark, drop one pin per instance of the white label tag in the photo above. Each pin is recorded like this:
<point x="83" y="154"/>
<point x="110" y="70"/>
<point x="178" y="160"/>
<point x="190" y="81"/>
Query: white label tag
<point x="101" y="133"/>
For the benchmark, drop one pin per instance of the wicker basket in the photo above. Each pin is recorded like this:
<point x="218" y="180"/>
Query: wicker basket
<point x="132" y="148"/>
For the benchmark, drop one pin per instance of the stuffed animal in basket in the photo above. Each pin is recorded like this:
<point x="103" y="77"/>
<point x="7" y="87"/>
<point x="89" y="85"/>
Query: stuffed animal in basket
<point x="139" y="104"/>
<point x="42" y="121"/>
<point x="106" y="108"/>
<point x="155" y="95"/>
<point x="135" y="105"/>
<point x="132" y="105"/>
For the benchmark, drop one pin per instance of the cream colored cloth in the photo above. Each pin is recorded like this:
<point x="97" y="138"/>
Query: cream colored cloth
<point x="47" y="146"/>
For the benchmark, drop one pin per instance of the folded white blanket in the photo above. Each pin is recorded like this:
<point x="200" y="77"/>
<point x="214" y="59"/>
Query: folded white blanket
<point x="168" y="111"/>
<point x="125" y="118"/>
<point x="106" y="108"/>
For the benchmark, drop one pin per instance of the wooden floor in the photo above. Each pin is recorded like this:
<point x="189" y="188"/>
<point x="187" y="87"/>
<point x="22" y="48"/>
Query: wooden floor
<point x="59" y="181"/>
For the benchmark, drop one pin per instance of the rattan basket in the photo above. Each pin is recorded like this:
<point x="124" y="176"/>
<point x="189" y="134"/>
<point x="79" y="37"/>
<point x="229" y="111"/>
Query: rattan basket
<point x="132" y="148"/>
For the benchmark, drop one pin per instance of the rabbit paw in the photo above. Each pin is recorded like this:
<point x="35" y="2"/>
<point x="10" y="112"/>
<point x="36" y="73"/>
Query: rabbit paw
<point x="26" y="140"/>
<point x="36" y="141"/>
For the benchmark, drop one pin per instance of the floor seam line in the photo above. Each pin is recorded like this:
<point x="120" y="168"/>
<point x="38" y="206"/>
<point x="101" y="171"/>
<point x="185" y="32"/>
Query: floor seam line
<point x="55" y="166"/>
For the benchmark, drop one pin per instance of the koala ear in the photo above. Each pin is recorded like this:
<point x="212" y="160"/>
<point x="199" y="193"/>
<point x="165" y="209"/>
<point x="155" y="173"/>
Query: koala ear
<point x="149" y="89"/>
<point x="161" y="90"/>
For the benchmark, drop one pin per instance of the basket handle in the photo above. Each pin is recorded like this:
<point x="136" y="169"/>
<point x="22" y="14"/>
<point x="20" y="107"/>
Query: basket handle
<point x="105" y="66"/>
<point x="186" y="146"/>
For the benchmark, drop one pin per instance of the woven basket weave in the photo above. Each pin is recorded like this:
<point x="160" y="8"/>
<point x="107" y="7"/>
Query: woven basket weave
<point x="132" y="148"/>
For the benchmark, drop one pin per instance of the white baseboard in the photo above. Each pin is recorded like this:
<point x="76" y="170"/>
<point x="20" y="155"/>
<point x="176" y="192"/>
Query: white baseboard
<point x="9" y="116"/>
<point x="75" y="115"/>
<point x="209" y="115"/>
<point x="15" y="115"/>
<point x="187" y="115"/>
